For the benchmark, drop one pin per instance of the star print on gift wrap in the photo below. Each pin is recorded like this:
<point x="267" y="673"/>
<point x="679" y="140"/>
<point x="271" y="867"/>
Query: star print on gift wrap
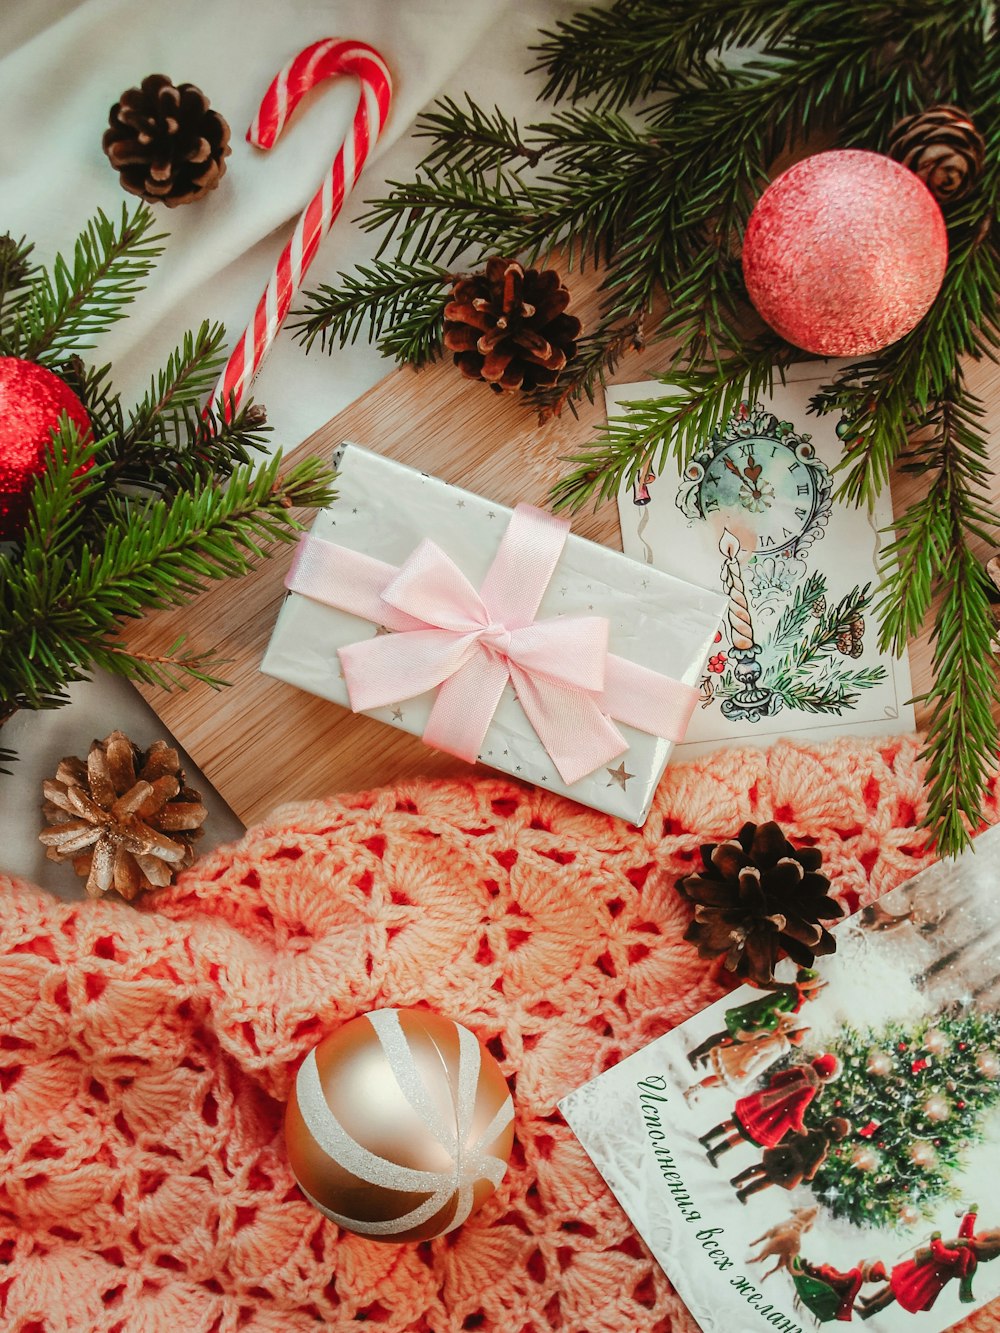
<point x="619" y="775"/>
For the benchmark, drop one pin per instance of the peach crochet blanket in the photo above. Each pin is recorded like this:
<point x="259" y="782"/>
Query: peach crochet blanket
<point x="145" y="1055"/>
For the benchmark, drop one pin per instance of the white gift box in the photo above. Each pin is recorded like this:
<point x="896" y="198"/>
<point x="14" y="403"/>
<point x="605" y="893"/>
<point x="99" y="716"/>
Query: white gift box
<point x="385" y="510"/>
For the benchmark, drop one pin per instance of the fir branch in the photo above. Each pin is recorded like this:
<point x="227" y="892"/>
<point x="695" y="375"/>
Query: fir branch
<point x="816" y="646"/>
<point x="827" y="696"/>
<point x="962" y="738"/>
<point x="182" y="384"/>
<point x="191" y="444"/>
<point x="955" y="457"/>
<point x="673" y="425"/>
<point x="439" y="215"/>
<point x="73" y="478"/>
<point x="397" y="304"/>
<point x="169" y="440"/>
<point x="92" y="385"/>
<point x="174" y="669"/>
<point x="472" y="140"/>
<point x="795" y="617"/>
<point x="931" y="555"/>
<point x="597" y="356"/>
<point x="73" y="302"/>
<point x="603" y="169"/>
<point x="637" y="47"/>
<point x="62" y="604"/>
<point x="17" y="272"/>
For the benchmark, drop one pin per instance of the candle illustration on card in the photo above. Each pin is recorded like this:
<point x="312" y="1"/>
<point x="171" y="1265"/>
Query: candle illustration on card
<point x="749" y="702"/>
<point x="753" y="512"/>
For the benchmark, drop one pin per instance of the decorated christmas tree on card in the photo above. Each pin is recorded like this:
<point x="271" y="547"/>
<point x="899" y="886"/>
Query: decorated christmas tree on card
<point x="918" y="1099"/>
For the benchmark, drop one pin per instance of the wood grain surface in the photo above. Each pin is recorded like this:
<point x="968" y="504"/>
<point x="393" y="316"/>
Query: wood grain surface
<point x="262" y="742"/>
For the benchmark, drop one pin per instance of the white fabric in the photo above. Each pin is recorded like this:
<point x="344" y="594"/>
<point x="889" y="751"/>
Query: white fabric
<point x="62" y="65"/>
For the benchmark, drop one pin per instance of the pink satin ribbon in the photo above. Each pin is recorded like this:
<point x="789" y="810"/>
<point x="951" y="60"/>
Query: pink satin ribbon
<point x="468" y="644"/>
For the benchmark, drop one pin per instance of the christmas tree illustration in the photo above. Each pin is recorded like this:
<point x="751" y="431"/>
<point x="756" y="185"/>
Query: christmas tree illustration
<point x="917" y="1097"/>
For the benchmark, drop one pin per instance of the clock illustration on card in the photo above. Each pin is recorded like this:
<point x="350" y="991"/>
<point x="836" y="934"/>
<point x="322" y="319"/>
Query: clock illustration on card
<point x="762" y="480"/>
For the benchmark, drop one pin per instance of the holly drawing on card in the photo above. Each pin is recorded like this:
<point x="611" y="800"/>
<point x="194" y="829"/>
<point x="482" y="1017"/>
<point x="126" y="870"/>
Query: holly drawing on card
<point x="793" y="640"/>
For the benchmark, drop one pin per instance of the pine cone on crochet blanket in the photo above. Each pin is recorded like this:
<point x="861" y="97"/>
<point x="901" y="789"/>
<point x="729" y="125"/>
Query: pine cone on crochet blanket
<point x="508" y="326"/>
<point x="165" y="142"/>
<point x="124" y="818"/>
<point x="756" y="894"/>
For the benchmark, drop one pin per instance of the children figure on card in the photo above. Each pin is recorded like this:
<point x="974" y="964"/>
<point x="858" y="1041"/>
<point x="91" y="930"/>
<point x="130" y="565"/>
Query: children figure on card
<point x="766" y="1116"/>
<point x="762" y="1014"/>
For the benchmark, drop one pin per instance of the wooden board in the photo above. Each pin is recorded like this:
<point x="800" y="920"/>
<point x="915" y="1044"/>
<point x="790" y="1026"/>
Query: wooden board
<point x="262" y="742"/>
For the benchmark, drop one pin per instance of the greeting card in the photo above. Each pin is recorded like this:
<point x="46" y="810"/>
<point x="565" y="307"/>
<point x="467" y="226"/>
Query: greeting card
<point x="754" y="514"/>
<point x="826" y="1148"/>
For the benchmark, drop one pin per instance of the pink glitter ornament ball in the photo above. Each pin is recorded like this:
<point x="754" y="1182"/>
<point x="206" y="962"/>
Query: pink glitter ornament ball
<point x="31" y="401"/>
<point x="845" y="252"/>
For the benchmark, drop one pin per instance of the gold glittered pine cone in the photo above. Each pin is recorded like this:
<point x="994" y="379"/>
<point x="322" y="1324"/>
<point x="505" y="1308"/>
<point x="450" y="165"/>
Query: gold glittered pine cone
<point x="125" y="818"/>
<point x="508" y="326"/>
<point x="943" y="147"/>
<point x="166" y="143"/>
<point x="755" y="895"/>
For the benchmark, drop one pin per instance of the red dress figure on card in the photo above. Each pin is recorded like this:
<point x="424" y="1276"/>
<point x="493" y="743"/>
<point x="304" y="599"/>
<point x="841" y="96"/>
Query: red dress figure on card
<point x="916" y="1283"/>
<point x="765" y="1117"/>
<point x="830" y="1293"/>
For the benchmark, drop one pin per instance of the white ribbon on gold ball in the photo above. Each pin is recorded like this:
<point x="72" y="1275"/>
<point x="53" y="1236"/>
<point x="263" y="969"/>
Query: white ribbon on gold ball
<point x="470" y="1163"/>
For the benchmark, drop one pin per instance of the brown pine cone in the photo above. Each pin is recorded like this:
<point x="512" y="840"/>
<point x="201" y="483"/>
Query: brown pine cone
<point x="507" y="326"/>
<point x="165" y="143"/>
<point x="124" y="818"/>
<point x="756" y="894"/>
<point x="943" y="147"/>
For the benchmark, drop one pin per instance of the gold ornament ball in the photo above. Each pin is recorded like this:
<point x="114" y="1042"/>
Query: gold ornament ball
<point x="400" y="1125"/>
<point x="936" y="1041"/>
<point x="879" y="1063"/>
<point x="937" y="1108"/>
<point x="865" y="1159"/>
<point x="988" y="1064"/>
<point x="922" y="1153"/>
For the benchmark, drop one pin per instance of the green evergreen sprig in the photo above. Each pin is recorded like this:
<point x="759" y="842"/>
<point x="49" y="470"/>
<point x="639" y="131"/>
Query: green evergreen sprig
<point x="69" y="305"/>
<point x="402" y="305"/>
<point x="65" y="594"/>
<point x="160" y="500"/>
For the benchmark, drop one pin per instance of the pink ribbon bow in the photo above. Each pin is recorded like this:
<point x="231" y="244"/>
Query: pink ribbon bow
<point x="468" y="644"/>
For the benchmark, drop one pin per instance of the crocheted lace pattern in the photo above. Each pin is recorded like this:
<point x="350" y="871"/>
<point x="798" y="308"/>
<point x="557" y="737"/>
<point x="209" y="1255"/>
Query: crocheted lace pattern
<point x="145" y="1055"/>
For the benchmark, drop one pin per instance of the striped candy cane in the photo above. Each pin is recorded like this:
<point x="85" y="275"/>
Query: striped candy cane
<point x="320" y="61"/>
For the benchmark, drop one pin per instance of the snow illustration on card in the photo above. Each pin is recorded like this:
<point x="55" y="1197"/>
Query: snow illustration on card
<point x="826" y="1148"/>
<point x="753" y="513"/>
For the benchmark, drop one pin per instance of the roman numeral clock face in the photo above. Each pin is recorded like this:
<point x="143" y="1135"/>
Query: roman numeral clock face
<point x="762" y="481"/>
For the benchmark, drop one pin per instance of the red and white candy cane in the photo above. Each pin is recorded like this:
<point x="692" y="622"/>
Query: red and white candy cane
<point x="322" y="60"/>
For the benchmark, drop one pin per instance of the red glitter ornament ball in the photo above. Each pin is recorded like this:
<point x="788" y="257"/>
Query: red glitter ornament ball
<point x="31" y="402"/>
<point x="845" y="252"/>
